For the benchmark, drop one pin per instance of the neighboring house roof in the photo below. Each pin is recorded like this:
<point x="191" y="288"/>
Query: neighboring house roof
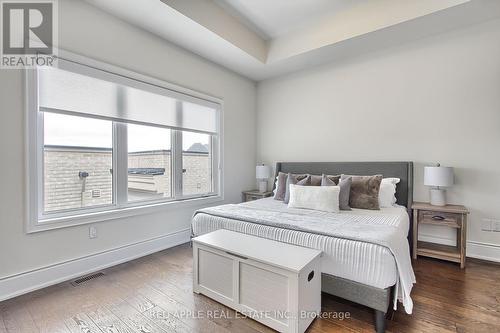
<point x="146" y="171"/>
<point x="198" y="148"/>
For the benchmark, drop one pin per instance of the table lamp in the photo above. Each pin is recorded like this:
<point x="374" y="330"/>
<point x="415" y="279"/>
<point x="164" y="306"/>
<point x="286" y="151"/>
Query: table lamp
<point x="262" y="172"/>
<point x="438" y="176"/>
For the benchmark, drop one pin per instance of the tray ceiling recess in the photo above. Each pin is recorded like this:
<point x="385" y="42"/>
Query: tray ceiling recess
<point x="261" y="39"/>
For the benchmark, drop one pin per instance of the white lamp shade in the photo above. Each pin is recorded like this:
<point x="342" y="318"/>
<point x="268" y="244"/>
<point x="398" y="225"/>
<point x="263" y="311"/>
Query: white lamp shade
<point x="438" y="176"/>
<point x="263" y="172"/>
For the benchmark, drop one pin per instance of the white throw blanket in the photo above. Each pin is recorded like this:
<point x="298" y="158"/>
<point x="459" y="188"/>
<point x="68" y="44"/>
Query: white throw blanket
<point x="381" y="229"/>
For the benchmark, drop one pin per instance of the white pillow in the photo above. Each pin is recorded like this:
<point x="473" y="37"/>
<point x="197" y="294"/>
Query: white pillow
<point x="324" y="198"/>
<point x="391" y="180"/>
<point x="387" y="192"/>
<point x="275" y="186"/>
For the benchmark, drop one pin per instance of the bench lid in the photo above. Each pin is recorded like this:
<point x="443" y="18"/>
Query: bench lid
<point x="289" y="257"/>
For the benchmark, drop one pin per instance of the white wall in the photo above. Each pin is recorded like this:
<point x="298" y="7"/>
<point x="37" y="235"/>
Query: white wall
<point x="87" y="31"/>
<point x="434" y="100"/>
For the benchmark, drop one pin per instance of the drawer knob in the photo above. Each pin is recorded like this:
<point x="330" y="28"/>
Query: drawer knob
<point x="310" y="276"/>
<point x="438" y="218"/>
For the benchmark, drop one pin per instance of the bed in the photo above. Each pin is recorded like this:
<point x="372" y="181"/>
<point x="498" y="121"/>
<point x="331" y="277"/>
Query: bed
<point x="356" y="265"/>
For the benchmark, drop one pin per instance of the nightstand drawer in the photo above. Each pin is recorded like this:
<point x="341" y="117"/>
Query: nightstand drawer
<point x="250" y="197"/>
<point x="255" y="195"/>
<point x="440" y="218"/>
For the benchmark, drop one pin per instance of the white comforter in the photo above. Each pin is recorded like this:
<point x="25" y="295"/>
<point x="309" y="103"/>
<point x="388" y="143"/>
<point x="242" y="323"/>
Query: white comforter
<point x="386" y="228"/>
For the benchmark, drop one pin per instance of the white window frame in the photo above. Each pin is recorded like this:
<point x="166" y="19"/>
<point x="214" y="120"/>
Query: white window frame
<point x="37" y="220"/>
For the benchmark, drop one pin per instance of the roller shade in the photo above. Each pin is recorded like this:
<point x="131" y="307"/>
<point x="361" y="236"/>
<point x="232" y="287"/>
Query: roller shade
<point x="82" y="90"/>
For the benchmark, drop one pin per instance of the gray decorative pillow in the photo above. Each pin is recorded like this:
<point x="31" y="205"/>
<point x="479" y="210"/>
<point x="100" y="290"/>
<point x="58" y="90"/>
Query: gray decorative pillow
<point x="298" y="180"/>
<point x="345" y="193"/>
<point x="326" y="181"/>
<point x="281" y="187"/>
<point x="316" y="180"/>
<point x="345" y="189"/>
<point x="331" y="180"/>
<point x="364" y="191"/>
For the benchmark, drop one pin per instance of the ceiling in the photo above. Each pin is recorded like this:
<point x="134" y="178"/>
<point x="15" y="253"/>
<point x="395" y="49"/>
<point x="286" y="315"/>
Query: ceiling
<point x="271" y="19"/>
<point x="261" y="39"/>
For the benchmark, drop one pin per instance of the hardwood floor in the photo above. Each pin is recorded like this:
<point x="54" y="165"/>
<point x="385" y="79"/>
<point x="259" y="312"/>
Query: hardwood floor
<point x="154" y="294"/>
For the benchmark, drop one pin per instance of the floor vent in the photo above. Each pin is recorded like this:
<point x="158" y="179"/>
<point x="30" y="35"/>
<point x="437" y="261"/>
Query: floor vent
<point x="84" y="279"/>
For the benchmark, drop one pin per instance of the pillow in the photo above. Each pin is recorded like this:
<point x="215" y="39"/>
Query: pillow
<point x="316" y="180"/>
<point x="323" y="198"/>
<point x="280" y="186"/>
<point x="364" y="191"/>
<point x="327" y="181"/>
<point x="386" y="195"/>
<point x="345" y="193"/>
<point x="295" y="179"/>
<point x="345" y="190"/>
<point x="330" y="179"/>
<point x="391" y="180"/>
<point x="387" y="192"/>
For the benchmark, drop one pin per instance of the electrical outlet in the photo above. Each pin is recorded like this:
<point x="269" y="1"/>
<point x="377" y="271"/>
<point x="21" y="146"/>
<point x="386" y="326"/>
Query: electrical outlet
<point x="495" y="225"/>
<point x="92" y="232"/>
<point x="486" y="225"/>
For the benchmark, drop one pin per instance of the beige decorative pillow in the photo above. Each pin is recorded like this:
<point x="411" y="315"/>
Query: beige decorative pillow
<point x="364" y="191"/>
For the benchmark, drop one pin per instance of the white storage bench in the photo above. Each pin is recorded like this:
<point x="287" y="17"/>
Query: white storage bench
<point x="274" y="283"/>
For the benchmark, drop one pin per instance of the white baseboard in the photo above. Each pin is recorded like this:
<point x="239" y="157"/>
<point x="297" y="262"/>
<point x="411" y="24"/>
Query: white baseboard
<point x="484" y="251"/>
<point x="22" y="283"/>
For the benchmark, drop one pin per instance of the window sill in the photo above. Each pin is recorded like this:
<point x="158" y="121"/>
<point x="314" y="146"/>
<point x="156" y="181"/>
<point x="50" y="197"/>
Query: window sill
<point x="113" y="214"/>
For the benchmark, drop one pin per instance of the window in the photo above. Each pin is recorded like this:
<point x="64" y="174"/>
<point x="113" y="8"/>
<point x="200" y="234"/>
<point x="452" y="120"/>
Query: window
<point x="101" y="144"/>
<point x="149" y="163"/>
<point x="196" y="163"/>
<point x="77" y="162"/>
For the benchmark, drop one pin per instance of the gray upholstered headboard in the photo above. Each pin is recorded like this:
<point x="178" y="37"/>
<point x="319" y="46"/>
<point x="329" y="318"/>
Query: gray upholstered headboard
<point x="402" y="170"/>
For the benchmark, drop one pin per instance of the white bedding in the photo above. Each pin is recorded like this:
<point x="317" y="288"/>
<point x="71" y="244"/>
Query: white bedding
<point x="363" y="262"/>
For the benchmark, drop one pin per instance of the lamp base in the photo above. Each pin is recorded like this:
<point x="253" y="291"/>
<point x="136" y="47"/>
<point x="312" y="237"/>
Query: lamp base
<point x="262" y="186"/>
<point x="438" y="197"/>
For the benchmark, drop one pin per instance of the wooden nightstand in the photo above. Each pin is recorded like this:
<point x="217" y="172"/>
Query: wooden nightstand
<point x="453" y="216"/>
<point x="255" y="194"/>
